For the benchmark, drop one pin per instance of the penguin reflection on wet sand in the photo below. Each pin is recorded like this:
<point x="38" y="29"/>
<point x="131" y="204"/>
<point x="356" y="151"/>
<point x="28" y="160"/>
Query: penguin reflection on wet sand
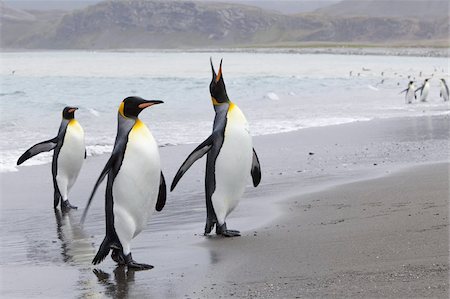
<point x="119" y="287"/>
<point x="68" y="156"/>
<point x="230" y="159"/>
<point x="135" y="184"/>
<point x="76" y="245"/>
<point x="410" y="92"/>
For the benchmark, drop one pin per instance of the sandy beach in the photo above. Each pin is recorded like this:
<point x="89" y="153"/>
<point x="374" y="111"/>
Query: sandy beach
<point x="354" y="210"/>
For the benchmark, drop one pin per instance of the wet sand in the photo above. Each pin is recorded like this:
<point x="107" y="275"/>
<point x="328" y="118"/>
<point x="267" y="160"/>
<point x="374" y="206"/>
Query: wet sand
<point x="380" y="238"/>
<point x="356" y="210"/>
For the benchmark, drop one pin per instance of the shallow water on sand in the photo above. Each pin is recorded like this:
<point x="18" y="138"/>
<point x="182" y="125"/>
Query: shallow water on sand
<point x="48" y="254"/>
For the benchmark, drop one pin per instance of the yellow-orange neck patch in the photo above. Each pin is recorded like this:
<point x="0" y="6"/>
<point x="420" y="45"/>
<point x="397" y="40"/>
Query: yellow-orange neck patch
<point x="121" y="107"/>
<point x="138" y="124"/>
<point x="214" y="101"/>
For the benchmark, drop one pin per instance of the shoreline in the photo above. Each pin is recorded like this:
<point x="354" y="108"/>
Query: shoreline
<point x="355" y="122"/>
<point x="332" y="49"/>
<point x="296" y="165"/>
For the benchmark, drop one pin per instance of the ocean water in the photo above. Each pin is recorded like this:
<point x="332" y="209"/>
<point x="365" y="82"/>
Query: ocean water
<point x="277" y="93"/>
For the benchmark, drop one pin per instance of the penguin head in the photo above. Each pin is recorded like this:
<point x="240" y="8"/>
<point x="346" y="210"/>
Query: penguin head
<point x="443" y="80"/>
<point x="69" y="112"/>
<point x="132" y="106"/>
<point x="217" y="87"/>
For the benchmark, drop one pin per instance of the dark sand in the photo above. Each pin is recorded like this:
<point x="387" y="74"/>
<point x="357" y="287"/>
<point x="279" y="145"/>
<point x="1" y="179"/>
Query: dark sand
<point x="357" y="210"/>
<point x="385" y="237"/>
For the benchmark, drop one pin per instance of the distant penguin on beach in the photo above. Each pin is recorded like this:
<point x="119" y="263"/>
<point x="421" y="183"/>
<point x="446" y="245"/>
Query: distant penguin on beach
<point x="68" y="156"/>
<point x="231" y="158"/>
<point x="379" y="83"/>
<point x="410" y="93"/>
<point x="444" y="90"/>
<point x="424" y="90"/>
<point x="135" y="184"/>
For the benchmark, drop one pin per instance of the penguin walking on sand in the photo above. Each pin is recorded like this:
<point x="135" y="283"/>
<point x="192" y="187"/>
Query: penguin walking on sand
<point x="135" y="184"/>
<point x="230" y="159"/>
<point x="410" y="92"/>
<point x="424" y="90"/>
<point x="68" y="156"/>
<point x="444" y="90"/>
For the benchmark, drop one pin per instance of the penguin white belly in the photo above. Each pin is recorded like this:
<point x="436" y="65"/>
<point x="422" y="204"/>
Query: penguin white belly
<point x="70" y="158"/>
<point x="136" y="186"/>
<point x="410" y="95"/>
<point x="233" y="164"/>
<point x="424" y="95"/>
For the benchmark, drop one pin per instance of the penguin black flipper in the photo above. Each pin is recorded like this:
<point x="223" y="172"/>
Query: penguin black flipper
<point x="199" y="152"/>
<point x="162" y="194"/>
<point x="420" y="88"/>
<point x="85" y="154"/>
<point x="404" y="91"/>
<point x="38" y="148"/>
<point x="116" y="155"/>
<point x="256" y="170"/>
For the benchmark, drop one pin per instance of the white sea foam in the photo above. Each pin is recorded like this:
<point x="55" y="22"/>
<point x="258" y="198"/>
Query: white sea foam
<point x="94" y="112"/>
<point x="9" y="159"/>
<point x="272" y="96"/>
<point x="372" y="87"/>
<point x="97" y="150"/>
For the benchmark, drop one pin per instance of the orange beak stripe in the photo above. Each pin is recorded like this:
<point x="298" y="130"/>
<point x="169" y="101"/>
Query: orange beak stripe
<point x="145" y="105"/>
<point x="219" y="74"/>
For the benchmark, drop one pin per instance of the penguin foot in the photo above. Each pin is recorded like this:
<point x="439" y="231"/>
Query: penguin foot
<point x="132" y="264"/>
<point x="65" y="205"/>
<point x="222" y="230"/>
<point x="231" y="233"/>
<point x="209" y="226"/>
<point x="118" y="256"/>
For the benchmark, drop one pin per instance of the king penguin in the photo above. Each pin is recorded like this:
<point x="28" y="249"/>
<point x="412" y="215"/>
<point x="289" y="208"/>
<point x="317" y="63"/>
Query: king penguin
<point x="424" y="90"/>
<point x="135" y="184"/>
<point x="410" y="92"/>
<point x="230" y="159"/>
<point x="444" y="90"/>
<point x="68" y="156"/>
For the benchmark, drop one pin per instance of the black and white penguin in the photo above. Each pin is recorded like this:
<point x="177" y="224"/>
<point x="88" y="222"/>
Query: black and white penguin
<point x="230" y="159"/>
<point x="68" y="156"/>
<point x="424" y="90"/>
<point x="444" y="90"/>
<point x="135" y="185"/>
<point x="410" y="92"/>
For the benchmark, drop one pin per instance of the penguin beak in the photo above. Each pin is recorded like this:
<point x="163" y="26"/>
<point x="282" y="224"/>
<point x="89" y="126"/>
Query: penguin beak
<point x="219" y="75"/>
<point x="71" y="110"/>
<point x="149" y="103"/>
<point x="214" y="75"/>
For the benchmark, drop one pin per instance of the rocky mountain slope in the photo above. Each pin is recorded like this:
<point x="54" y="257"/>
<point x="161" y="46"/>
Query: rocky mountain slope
<point x="417" y="9"/>
<point x="135" y="24"/>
